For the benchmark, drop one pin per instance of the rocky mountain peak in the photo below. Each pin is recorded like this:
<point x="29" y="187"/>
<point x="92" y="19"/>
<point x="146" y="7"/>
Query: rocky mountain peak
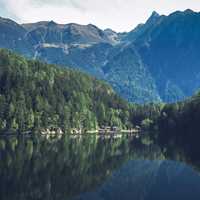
<point x="52" y="23"/>
<point x="154" y="16"/>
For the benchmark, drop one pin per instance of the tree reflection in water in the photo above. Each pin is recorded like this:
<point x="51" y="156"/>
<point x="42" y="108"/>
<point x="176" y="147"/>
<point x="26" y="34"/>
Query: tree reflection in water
<point x="37" y="168"/>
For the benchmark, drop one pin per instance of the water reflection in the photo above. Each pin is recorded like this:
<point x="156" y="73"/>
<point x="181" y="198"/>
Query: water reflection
<point x="149" y="180"/>
<point x="89" y="168"/>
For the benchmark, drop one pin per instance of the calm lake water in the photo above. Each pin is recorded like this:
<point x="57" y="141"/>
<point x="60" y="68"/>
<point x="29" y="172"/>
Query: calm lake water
<point x="91" y="168"/>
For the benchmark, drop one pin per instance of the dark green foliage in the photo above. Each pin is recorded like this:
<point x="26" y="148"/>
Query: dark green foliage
<point x="179" y="126"/>
<point x="36" y="95"/>
<point x="139" y="113"/>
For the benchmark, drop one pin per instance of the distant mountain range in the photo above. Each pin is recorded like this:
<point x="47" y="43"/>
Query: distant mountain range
<point x="156" y="61"/>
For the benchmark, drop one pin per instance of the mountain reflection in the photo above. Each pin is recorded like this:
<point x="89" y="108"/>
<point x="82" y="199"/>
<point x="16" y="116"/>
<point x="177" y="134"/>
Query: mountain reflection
<point x="89" y="168"/>
<point x="149" y="180"/>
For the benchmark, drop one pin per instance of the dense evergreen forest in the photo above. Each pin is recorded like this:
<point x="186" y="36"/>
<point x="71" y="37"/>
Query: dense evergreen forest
<point x="178" y="127"/>
<point x="35" y="95"/>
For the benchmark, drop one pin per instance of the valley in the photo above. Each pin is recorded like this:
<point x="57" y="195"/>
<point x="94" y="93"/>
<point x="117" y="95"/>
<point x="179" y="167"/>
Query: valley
<point x="95" y="114"/>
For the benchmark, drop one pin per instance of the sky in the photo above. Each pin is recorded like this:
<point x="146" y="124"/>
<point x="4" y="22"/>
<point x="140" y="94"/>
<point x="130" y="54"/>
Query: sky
<point x="119" y="15"/>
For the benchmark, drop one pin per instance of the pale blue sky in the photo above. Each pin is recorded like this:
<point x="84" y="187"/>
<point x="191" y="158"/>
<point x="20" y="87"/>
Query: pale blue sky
<point x="120" y="15"/>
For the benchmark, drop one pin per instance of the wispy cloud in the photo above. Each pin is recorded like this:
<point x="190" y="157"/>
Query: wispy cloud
<point x="120" y="15"/>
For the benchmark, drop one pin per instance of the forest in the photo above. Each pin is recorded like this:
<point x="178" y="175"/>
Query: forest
<point x="36" y="95"/>
<point x="178" y="126"/>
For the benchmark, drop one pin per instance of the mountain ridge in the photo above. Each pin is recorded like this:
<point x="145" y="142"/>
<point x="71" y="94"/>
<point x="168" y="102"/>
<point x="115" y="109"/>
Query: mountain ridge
<point x="163" y="50"/>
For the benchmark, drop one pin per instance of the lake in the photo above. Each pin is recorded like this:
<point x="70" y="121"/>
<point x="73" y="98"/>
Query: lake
<point x="89" y="168"/>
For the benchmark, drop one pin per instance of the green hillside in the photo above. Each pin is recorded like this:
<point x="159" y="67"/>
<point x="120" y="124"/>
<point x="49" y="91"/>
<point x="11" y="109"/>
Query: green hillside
<point x="36" y="95"/>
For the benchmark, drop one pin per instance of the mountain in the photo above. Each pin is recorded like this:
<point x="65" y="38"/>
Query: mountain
<point x="166" y="49"/>
<point x="50" y="32"/>
<point x="157" y="61"/>
<point x="142" y="29"/>
<point x="35" y="95"/>
<point x="125" y="71"/>
<point x="169" y="48"/>
<point x="12" y="37"/>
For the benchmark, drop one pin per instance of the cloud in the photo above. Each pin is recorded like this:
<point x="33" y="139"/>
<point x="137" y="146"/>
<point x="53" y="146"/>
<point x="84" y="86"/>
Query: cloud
<point x="120" y="15"/>
<point x="64" y="11"/>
